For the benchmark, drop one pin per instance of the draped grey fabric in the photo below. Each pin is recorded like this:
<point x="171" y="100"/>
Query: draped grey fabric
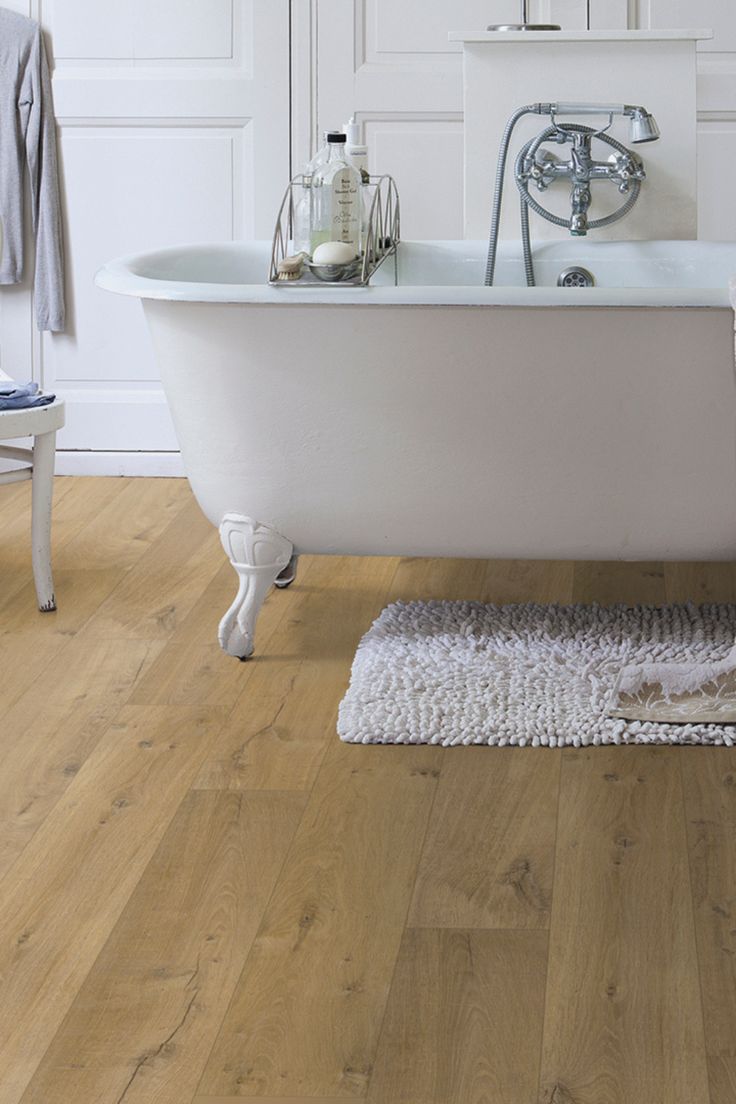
<point x="28" y="137"/>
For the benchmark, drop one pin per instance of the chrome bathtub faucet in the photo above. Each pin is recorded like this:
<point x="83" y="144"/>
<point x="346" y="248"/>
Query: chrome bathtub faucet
<point x="541" y="167"/>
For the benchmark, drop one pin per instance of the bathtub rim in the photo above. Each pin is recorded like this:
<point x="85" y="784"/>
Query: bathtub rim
<point x="123" y="276"/>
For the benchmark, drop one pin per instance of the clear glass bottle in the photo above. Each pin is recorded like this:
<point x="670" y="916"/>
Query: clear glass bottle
<point x="321" y="155"/>
<point x="302" y="199"/>
<point x="336" y="195"/>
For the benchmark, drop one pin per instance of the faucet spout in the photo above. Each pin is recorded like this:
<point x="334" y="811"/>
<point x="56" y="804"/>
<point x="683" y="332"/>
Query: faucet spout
<point x="581" y="199"/>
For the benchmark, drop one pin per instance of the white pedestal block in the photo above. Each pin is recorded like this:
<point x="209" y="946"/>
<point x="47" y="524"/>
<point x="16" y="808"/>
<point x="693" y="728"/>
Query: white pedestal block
<point x="505" y="70"/>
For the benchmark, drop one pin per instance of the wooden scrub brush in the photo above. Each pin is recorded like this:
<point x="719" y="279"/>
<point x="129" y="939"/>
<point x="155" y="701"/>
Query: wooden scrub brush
<point x="290" y="268"/>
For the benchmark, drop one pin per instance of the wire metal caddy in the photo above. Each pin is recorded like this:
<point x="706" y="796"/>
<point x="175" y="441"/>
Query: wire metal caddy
<point x="382" y="235"/>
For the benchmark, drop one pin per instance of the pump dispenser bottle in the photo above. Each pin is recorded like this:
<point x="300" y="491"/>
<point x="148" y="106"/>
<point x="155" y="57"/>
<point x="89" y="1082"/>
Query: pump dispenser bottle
<point x="356" y="151"/>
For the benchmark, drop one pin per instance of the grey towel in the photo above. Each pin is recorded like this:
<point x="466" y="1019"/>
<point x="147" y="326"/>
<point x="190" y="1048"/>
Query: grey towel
<point x="19" y="396"/>
<point x="28" y="137"/>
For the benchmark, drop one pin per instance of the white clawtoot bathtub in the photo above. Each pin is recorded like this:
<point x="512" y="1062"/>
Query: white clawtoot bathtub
<point x="429" y="415"/>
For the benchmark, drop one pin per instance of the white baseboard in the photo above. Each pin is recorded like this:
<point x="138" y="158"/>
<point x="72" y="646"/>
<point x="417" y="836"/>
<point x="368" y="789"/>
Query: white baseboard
<point x="69" y="462"/>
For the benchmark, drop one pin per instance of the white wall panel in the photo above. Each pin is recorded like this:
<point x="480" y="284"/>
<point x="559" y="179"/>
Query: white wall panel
<point x="716" y="102"/>
<point x="716" y="166"/>
<point x="720" y="15"/>
<point x="107" y="172"/>
<point x="403" y="80"/>
<point x="396" y="28"/>
<point x="16" y="348"/>
<point x="570" y="14"/>
<point x="174" y="126"/>
<point x="149" y="29"/>
<point x="104" y="363"/>
<point x="406" y="28"/>
<point x="430" y="150"/>
<point x="609" y="15"/>
<point x="183" y="28"/>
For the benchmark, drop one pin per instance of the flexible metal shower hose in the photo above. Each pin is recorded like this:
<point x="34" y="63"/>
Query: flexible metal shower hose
<point x="503" y="153"/>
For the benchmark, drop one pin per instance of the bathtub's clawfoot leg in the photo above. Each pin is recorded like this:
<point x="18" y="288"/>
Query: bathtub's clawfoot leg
<point x="259" y="554"/>
<point x="288" y="575"/>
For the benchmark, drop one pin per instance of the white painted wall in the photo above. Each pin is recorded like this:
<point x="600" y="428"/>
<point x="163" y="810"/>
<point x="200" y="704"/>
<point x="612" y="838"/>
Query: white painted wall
<point x="173" y="123"/>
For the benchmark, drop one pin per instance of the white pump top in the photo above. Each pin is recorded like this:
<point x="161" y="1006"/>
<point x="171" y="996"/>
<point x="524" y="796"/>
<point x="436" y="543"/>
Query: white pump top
<point x="354" y="131"/>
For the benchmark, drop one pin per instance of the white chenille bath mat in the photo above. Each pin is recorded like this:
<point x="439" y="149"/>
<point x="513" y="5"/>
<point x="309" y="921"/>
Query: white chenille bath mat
<point x="468" y="673"/>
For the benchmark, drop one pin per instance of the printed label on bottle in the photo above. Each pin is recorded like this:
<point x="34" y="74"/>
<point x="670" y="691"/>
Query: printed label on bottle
<point x="345" y="209"/>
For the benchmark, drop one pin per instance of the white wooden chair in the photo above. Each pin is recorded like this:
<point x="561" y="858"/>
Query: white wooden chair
<point x="41" y="423"/>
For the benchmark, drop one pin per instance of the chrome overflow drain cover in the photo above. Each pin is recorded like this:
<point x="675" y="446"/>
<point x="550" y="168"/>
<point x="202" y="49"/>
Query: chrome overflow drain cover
<point x="575" y="277"/>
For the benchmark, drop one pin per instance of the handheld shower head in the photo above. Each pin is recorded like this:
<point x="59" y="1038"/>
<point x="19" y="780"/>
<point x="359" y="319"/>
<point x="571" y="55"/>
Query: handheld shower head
<point x="643" y="127"/>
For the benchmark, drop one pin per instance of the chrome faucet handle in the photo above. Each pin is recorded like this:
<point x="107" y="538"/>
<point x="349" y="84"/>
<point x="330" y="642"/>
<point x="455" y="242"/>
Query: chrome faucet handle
<point x="626" y="168"/>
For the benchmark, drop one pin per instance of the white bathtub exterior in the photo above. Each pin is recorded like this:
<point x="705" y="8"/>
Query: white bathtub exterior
<point x="452" y="419"/>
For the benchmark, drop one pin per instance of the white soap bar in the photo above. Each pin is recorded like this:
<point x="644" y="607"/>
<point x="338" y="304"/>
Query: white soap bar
<point x="333" y="252"/>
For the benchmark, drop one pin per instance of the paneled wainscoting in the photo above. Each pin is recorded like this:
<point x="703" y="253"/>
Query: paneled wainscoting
<point x="207" y="897"/>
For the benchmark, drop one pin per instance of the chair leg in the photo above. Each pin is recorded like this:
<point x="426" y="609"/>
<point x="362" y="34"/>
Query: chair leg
<point x="44" y="452"/>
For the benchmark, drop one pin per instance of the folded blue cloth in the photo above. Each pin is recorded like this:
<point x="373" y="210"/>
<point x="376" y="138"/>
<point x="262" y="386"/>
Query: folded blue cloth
<point x="19" y="396"/>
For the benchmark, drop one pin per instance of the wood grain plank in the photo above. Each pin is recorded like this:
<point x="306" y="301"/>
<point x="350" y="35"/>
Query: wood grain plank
<point x="15" y="514"/>
<point x="709" y="781"/>
<point x="421" y="579"/>
<point x="15" y="499"/>
<point x="623" y="1020"/>
<point x="193" y="669"/>
<point x="700" y="582"/>
<point x="509" y="581"/>
<point x="65" y="893"/>
<point x="158" y="592"/>
<point x="76" y="503"/>
<point x="52" y="728"/>
<point x="201" y="623"/>
<point x="464" y="1021"/>
<point x="23" y="659"/>
<point x="276" y="735"/>
<point x="306" y="1013"/>
<point x="84" y="806"/>
<point x="488" y="859"/>
<point x="611" y="582"/>
<point x="92" y="561"/>
<point x="147" y="1015"/>
<point x="273" y="1099"/>
<point x="126" y="526"/>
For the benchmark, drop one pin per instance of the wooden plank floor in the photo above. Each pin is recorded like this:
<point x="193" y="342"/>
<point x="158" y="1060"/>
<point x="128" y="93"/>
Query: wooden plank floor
<point x="205" y="897"/>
